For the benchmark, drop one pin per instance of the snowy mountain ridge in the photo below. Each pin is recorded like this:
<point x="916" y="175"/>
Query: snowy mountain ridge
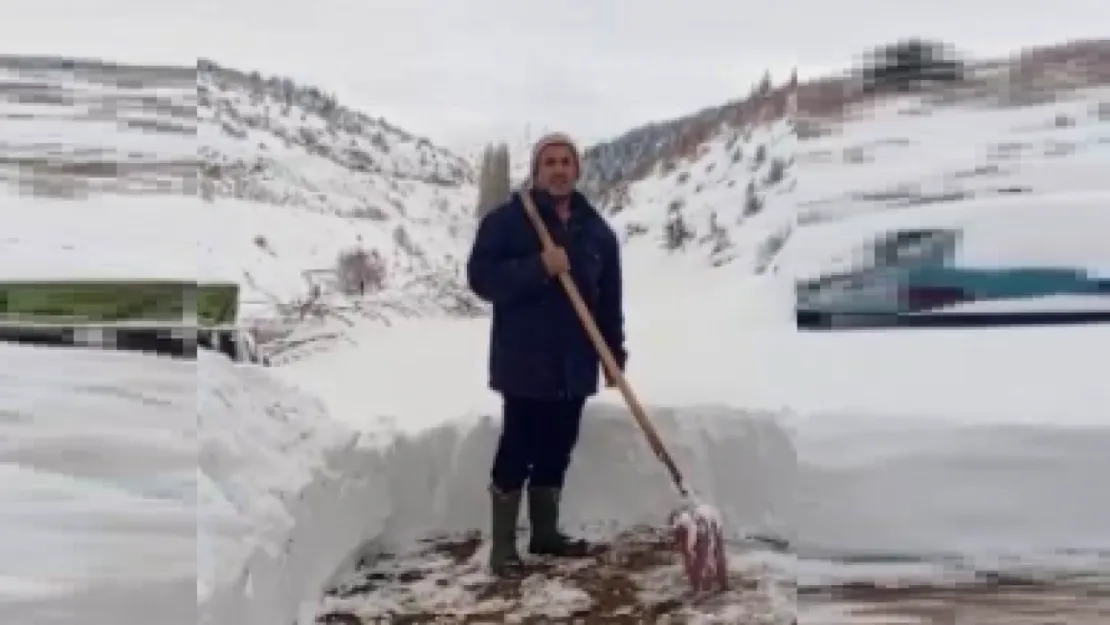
<point x="247" y="105"/>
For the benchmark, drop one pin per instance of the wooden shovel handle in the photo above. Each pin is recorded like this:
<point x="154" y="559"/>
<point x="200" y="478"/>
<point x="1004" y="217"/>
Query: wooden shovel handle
<point x="612" y="368"/>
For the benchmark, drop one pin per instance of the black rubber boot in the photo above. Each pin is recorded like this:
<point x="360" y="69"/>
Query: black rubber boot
<point x="504" y="560"/>
<point x="547" y="540"/>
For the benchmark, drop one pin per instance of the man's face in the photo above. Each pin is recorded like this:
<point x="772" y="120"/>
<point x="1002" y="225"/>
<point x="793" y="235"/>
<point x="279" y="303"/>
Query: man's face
<point x="558" y="170"/>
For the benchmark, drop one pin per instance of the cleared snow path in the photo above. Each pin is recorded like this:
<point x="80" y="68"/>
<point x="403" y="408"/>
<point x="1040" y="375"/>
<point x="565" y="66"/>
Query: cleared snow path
<point x="316" y="496"/>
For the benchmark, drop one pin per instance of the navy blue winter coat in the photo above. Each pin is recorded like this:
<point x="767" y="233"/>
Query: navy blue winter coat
<point x="538" y="347"/>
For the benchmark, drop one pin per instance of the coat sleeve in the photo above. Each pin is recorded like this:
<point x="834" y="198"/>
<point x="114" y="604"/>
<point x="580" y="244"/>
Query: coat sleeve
<point x="494" y="277"/>
<point x="610" y="314"/>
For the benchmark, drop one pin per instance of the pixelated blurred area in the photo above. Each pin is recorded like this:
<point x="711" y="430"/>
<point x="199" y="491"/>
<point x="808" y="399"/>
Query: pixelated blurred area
<point x="73" y="128"/>
<point x="910" y="65"/>
<point x="946" y="190"/>
<point x="1027" y="76"/>
<point x="159" y="317"/>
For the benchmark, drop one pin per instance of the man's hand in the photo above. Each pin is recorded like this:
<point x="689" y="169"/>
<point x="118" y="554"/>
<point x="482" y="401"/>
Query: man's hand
<point x="555" y="261"/>
<point x="609" y="381"/>
<point x="622" y="362"/>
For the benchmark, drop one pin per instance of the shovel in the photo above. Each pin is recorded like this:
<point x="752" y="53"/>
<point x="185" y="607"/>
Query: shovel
<point x="696" y="527"/>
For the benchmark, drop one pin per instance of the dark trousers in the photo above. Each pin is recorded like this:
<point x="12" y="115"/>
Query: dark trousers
<point x="537" y="440"/>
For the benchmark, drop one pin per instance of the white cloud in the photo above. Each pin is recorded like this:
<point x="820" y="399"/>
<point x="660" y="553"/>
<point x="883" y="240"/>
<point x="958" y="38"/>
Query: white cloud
<point x="464" y="70"/>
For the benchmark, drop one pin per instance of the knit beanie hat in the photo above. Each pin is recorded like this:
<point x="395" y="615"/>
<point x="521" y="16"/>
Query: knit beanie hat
<point x="548" y="140"/>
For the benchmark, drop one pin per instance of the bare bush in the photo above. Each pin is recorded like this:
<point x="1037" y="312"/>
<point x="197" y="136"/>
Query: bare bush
<point x="359" y="272"/>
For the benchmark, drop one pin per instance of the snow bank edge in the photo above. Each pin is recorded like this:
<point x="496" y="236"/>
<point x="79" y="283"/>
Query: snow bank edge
<point x="389" y="490"/>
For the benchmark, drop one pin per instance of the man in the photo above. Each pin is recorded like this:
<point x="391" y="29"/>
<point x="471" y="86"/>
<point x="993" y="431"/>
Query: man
<point x="541" y="360"/>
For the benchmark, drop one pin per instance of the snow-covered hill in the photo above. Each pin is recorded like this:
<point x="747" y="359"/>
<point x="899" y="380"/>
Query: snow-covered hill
<point x="323" y="178"/>
<point x="711" y="186"/>
<point x="313" y="180"/>
<point x="714" y="186"/>
<point x="730" y="185"/>
<point x="223" y="175"/>
<point x="726" y="203"/>
<point x="268" y="139"/>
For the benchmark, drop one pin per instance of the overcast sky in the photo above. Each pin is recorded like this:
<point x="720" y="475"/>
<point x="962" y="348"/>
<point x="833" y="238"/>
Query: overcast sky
<point x="463" y="71"/>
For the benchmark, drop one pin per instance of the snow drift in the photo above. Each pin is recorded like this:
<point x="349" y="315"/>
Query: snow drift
<point x="97" y="487"/>
<point x="290" y="498"/>
<point x="935" y="487"/>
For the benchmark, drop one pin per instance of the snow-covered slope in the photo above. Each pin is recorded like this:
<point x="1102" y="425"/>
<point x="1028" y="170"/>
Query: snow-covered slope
<point x="267" y="183"/>
<point x="1025" y="185"/>
<point x="724" y="204"/>
<point x="321" y="179"/>
<point x="714" y="187"/>
<point x="1011" y="156"/>
<point x="271" y="141"/>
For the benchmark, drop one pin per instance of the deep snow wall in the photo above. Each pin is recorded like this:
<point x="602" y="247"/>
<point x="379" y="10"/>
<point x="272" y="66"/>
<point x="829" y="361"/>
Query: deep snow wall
<point x="928" y="486"/>
<point x="97" y="487"/>
<point x="360" y="492"/>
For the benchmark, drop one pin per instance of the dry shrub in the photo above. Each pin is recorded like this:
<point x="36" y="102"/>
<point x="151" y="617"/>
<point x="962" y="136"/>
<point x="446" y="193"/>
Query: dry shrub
<point x="359" y="272"/>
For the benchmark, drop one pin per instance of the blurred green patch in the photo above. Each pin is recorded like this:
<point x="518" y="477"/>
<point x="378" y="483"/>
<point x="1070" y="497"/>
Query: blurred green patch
<point x="115" y="301"/>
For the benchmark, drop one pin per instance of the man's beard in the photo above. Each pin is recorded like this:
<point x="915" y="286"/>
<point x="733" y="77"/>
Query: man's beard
<point x="561" y="190"/>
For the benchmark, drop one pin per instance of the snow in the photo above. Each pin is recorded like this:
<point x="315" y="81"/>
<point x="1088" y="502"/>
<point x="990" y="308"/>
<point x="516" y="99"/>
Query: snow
<point x="281" y="190"/>
<point x="855" y="467"/>
<point x="951" y="450"/>
<point x="97" y="486"/>
<point x="708" y="192"/>
<point x="1057" y="230"/>
<point x="981" y="169"/>
<point x="61" y="239"/>
<point x="939" y="453"/>
<point x="316" y="488"/>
